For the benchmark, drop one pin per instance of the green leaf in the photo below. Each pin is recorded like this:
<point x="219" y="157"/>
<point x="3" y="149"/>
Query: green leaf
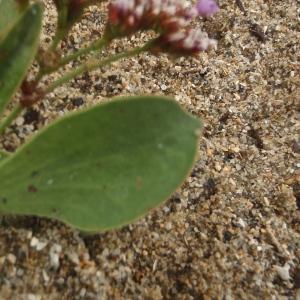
<point x="17" y="51"/>
<point x="104" y="167"/>
<point x="3" y="155"/>
<point x="10" y="10"/>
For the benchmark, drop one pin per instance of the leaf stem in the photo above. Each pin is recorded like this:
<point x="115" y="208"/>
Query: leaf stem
<point x="97" y="45"/>
<point x="8" y="120"/>
<point x="93" y="64"/>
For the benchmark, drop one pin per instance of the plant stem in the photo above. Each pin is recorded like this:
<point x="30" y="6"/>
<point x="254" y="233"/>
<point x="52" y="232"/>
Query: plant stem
<point x="59" y="35"/>
<point x="16" y="111"/>
<point x="97" y="45"/>
<point x="93" y="64"/>
<point x="61" y="28"/>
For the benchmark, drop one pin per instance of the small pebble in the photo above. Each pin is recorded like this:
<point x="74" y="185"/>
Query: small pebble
<point x="19" y="121"/>
<point x="283" y="272"/>
<point x="163" y="87"/>
<point x="77" y="101"/>
<point x="11" y="258"/>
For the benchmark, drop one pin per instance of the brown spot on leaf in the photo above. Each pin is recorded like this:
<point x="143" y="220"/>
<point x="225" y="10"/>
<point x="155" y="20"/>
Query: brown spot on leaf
<point x="22" y="4"/>
<point x="3" y="200"/>
<point x="138" y="183"/>
<point x="34" y="173"/>
<point x="32" y="189"/>
<point x="3" y="54"/>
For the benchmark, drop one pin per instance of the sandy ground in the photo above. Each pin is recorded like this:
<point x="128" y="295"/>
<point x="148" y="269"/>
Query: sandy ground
<point x="233" y="230"/>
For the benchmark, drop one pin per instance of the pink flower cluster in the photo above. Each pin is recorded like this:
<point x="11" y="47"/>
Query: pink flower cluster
<point x="169" y="18"/>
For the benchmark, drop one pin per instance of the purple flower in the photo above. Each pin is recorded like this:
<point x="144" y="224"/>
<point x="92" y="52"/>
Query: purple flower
<point x="206" y="8"/>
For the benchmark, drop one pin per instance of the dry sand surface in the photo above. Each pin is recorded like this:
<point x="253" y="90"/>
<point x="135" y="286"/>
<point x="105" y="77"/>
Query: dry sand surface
<point x="233" y="230"/>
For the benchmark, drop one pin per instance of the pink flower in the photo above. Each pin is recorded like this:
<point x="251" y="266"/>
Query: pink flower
<point x="206" y="8"/>
<point x="126" y="17"/>
<point x="169" y="18"/>
<point x="187" y="42"/>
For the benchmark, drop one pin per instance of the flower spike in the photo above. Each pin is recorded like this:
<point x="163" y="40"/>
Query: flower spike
<point x="169" y="18"/>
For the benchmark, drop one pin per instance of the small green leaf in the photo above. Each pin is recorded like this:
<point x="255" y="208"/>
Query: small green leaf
<point x="17" y="51"/>
<point x="104" y="167"/>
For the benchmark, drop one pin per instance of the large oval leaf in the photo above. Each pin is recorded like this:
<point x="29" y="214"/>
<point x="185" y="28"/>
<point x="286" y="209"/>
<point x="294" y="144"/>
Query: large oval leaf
<point x="3" y="155"/>
<point x="17" y="51"/>
<point x="102" y="168"/>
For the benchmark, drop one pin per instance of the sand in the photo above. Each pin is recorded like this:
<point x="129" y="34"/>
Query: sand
<point x="232" y="231"/>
